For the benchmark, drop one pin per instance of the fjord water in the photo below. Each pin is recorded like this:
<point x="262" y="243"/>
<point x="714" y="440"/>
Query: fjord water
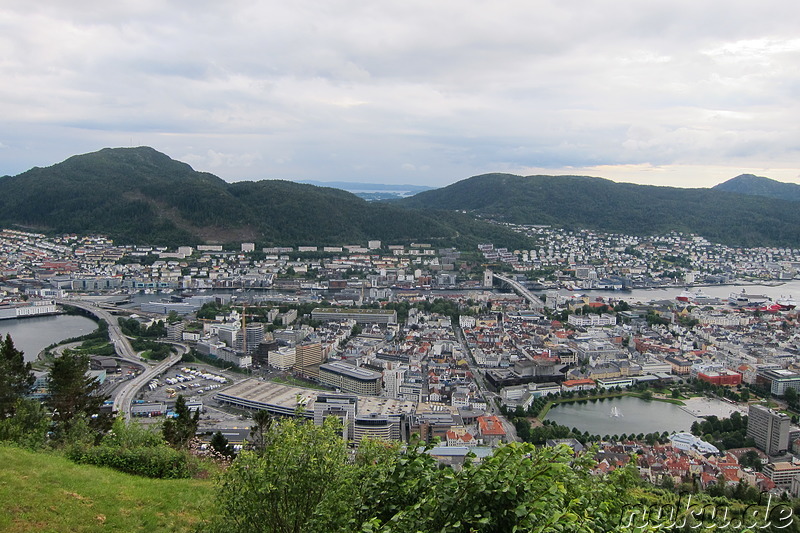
<point x="774" y="291"/>
<point x="32" y="335"/>
<point x="637" y="416"/>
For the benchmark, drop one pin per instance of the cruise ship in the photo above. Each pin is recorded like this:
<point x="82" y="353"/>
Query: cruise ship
<point x="697" y="297"/>
<point x="742" y="299"/>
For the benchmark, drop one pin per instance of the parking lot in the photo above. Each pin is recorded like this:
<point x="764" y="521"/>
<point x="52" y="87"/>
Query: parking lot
<point x="196" y="383"/>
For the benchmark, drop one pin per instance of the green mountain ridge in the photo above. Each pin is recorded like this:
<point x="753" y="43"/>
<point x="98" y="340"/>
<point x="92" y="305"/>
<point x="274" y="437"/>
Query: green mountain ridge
<point x="139" y="195"/>
<point x="600" y="204"/>
<point x="760" y="186"/>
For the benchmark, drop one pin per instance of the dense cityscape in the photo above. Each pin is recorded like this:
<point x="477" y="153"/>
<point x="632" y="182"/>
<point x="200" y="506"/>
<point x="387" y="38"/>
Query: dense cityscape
<point x="408" y="340"/>
<point x="399" y="267"/>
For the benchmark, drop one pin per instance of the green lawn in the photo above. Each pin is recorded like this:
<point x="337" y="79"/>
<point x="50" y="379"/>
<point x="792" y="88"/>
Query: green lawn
<point x="44" y="492"/>
<point x="295" y="382"/>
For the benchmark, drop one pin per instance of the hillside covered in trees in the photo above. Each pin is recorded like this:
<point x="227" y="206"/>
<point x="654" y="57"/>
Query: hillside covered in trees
<point x="599" y="204"/>
<point x="760" y="186"/>
<point x="139" y="195"/>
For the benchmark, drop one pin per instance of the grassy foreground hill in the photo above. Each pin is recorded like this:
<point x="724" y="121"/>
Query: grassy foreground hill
<point x="600" y="204"/>
<point x="139" y="195"/>
<point x="44" y="492"/>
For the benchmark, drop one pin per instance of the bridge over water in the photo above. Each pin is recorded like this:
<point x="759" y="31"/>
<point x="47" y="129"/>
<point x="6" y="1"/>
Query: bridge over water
<point x="535" y="303"/>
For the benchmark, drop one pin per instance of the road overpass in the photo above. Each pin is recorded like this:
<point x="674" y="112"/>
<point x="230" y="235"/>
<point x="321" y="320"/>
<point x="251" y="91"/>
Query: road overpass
<point x="121" y="343"/>
<point x="125" y="396"/>
<point x="122" y="346"/>
<point x="535" y="303"/>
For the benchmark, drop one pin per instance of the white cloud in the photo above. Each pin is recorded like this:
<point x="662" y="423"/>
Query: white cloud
<point x="354" y="90"/>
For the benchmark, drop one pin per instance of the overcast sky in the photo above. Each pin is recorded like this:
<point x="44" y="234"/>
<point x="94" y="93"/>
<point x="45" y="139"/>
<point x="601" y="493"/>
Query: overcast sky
<point x="684" y="93"/>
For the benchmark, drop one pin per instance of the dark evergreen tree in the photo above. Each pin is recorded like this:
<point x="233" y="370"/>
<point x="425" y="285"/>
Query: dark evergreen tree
<point x="180" y="430"/>
<point x="16" y="377"/>
<point x="221" y="445"/>
<point x="260" y="431"/>
<point x="74" y="395"/>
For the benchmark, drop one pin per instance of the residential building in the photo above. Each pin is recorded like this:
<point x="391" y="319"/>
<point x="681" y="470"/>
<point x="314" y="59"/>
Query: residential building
<point x="491" y="429"/>
<point x="782" y="473"/>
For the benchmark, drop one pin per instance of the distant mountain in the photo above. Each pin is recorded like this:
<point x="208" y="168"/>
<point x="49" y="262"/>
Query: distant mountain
<point x="139" y="195"/>
<point x="355" y="186"/>
<point x="596" y="203"/>
<point x="758" y="186"/>
<point x="372" y="191"/>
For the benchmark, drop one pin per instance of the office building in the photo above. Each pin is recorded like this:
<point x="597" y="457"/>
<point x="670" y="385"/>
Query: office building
<point x="373" y="426"/>
<point x="349" y="378"/>
<point x="782" y="473"/>
<point x="361" y="316"/>
<point x="308" y="357"/>
<point x="341" y="406"/>
<point x="282" y="358"/>
<point x="769" y="429"/>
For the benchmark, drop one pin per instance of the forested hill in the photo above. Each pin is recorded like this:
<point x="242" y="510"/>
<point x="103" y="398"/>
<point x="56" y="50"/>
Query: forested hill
<point x="138" y="195"/>
<point x="759" y="186"/>
<point x="595" y="203"/>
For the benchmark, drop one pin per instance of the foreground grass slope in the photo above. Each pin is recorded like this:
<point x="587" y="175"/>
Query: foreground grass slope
<point x="45" y="492"/>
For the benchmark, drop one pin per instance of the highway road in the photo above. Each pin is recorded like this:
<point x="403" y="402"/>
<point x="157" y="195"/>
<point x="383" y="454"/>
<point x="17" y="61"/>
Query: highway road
<point x="126" y="394"/>
<point x="127" y="390"/>
<point x="121" y="343"/>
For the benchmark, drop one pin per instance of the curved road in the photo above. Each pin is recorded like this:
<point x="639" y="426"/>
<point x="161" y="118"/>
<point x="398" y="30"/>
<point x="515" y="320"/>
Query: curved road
<point x="124" y="398"/>
<point x="128" y="390"/>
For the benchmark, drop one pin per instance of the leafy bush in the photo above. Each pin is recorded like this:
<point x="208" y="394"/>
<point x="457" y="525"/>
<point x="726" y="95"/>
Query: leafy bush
<point x="160" y="462"/>
<point x="305" y="480"/>
<point x="134" y="449"/>
<point x="29" y="425"/>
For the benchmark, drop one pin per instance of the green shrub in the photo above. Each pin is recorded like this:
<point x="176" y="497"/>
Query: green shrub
<point x="160" y="462"/>
<point x="135" y="449"/>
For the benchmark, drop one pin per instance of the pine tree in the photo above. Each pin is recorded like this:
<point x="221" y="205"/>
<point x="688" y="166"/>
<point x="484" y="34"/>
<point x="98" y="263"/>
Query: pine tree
<point x="16" y="377"/>
<point x="220" y="445"/>
<point x="180" y="430"/>
<point x="260" y="431"/>
<point x="73" y="395"/>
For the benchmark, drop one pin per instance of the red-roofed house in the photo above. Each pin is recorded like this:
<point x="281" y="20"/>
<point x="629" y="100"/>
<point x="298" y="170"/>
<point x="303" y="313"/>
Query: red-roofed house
<point x="491" y="429"/>
<point x="577" y="384"/>
<point x="462" y="439"/>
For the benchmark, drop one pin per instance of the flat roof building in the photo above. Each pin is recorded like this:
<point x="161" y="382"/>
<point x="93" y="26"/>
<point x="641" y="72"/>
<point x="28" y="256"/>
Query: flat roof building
<point x="372" y="426"/>
<point x="341" y="406"/>
<point x="349" y="378"/>
<point x="284" y="400"/>
<point x="782" y="473"/>
<point x="361" y="316"/>
<point x="778" y="380"/>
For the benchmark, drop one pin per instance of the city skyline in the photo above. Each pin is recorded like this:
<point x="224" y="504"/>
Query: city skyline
<point x="674" y="94"/>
